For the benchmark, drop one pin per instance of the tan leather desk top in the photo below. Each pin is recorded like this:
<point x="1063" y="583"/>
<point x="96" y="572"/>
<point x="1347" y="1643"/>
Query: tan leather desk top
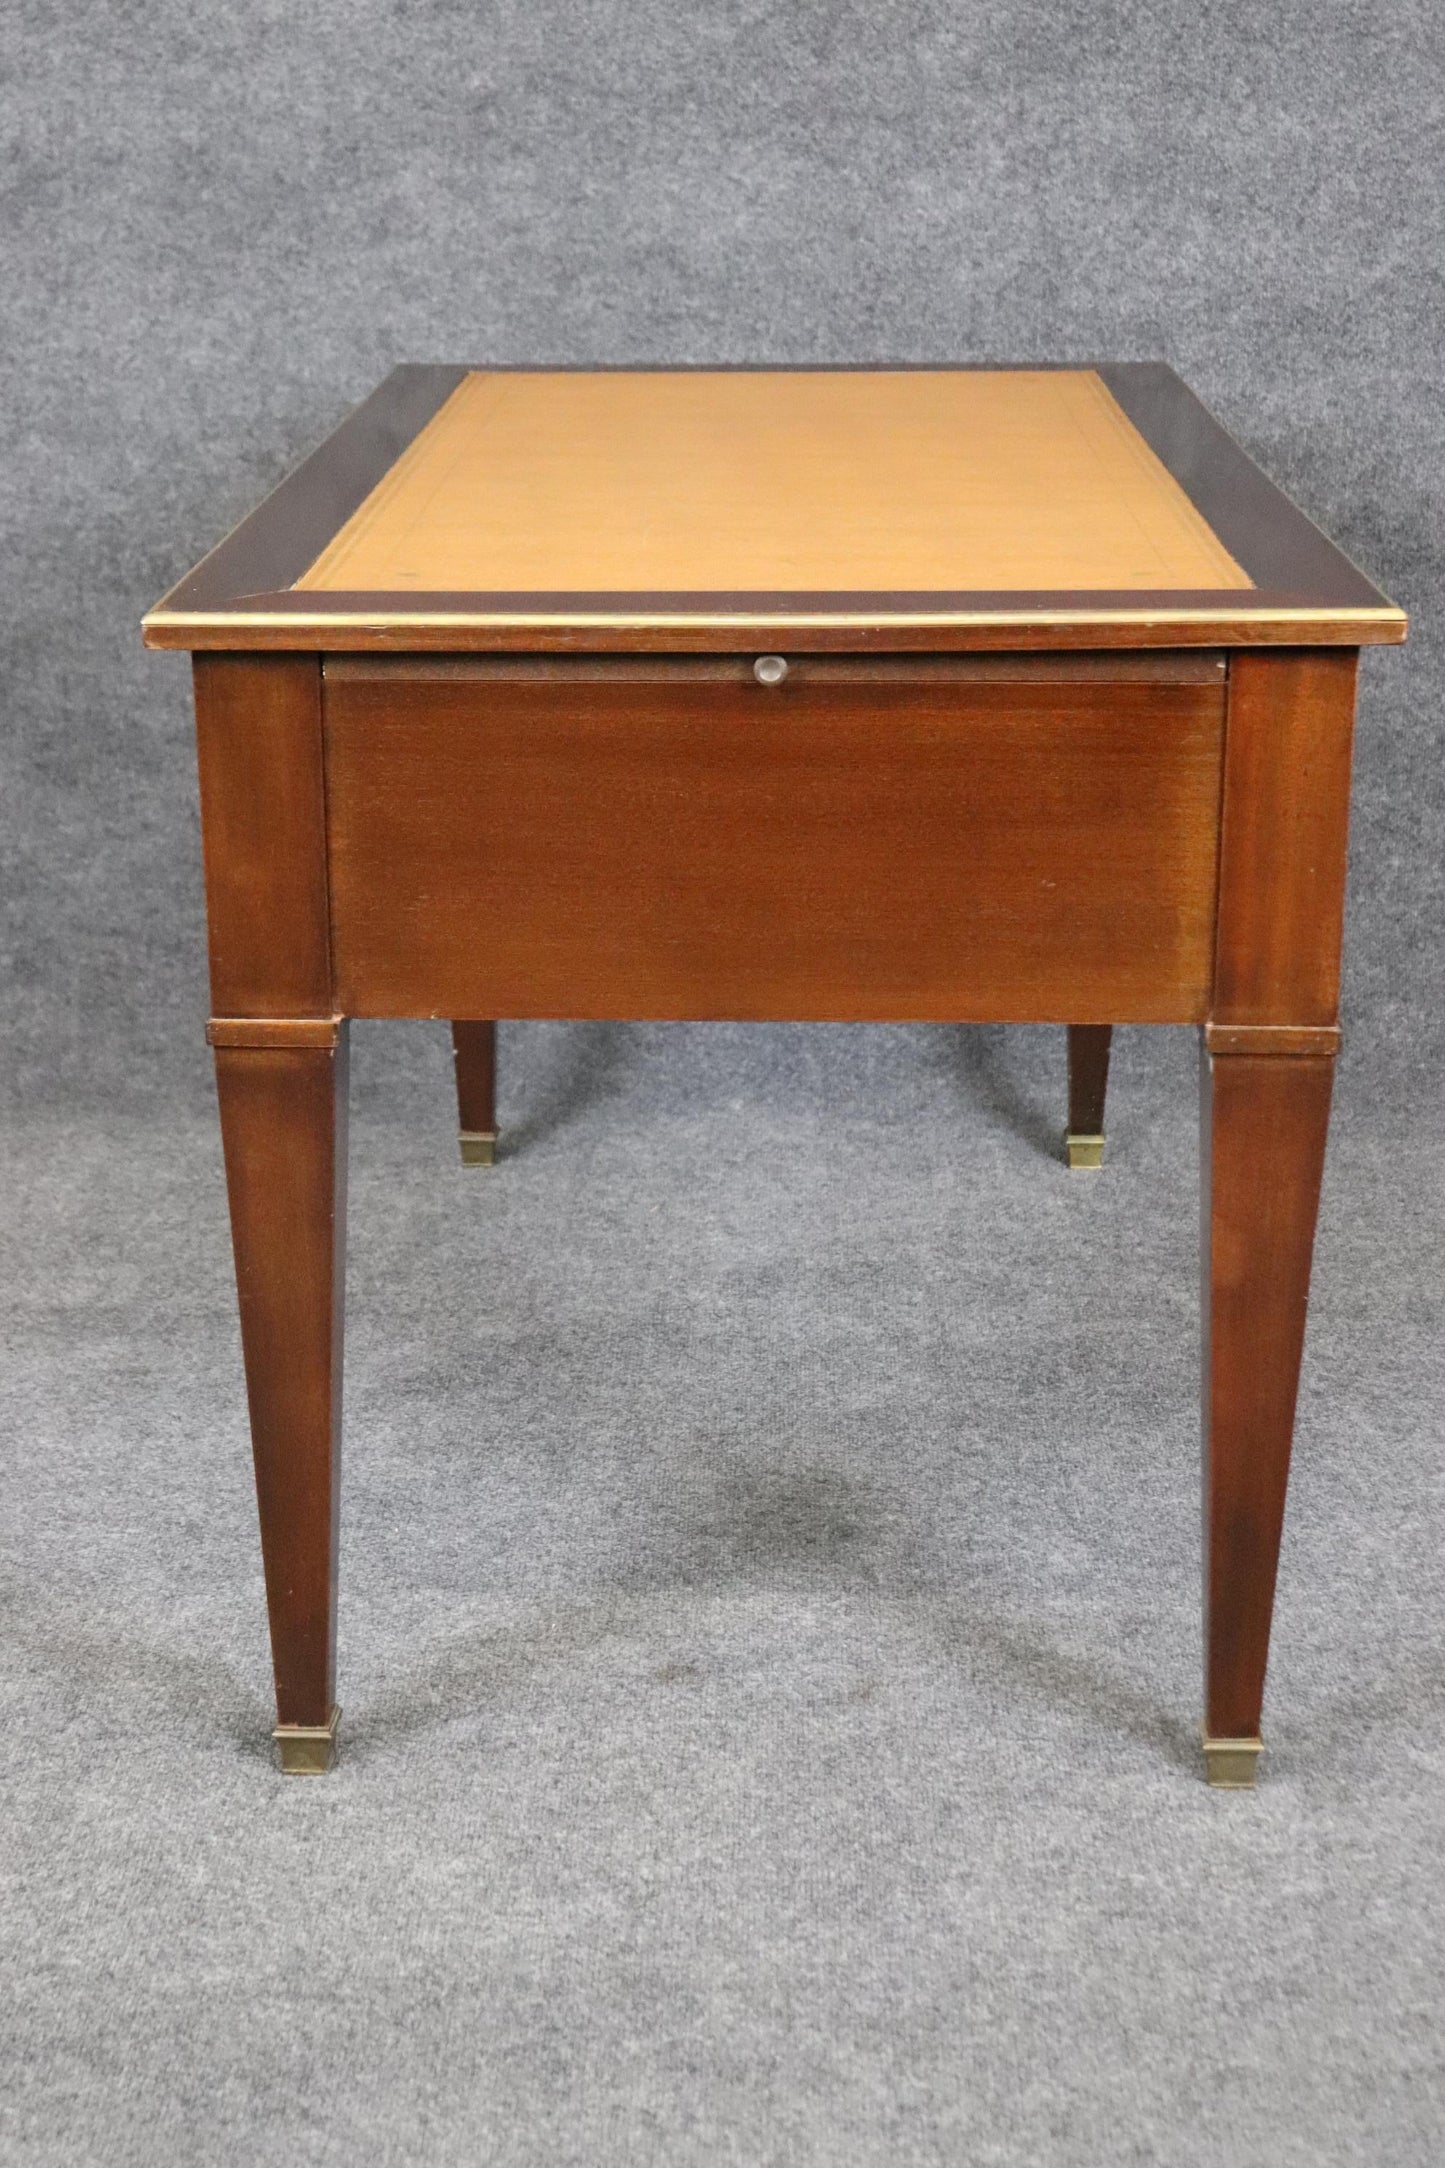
<point x="697" y="480"/>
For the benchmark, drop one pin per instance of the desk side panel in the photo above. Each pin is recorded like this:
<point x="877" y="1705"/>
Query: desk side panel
<point x="852" y="844"/>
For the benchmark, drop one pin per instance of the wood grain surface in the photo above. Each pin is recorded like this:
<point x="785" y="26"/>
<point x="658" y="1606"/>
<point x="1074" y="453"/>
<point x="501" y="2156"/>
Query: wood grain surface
<point x="1089" y="1048"/>
<point x="1263" y="1146"/>
<point x="263" y="834"/>
<point x="474" y="1053"/>
<point x="858" y="842"/>
<point x="1285" y="824"/>
<point x="283" y="1124"/>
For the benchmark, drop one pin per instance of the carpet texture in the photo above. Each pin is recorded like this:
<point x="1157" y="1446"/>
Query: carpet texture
<point x="769" y="1625"/>
<point x="769" y="1640"/>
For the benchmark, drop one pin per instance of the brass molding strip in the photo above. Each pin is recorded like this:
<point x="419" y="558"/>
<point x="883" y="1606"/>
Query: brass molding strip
<point x="274" y="1031"/>
<point x="165" y="628"/>
<point x="1272" y="1038"/>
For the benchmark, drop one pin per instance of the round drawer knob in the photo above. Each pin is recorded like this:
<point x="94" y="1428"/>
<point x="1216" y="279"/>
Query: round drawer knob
<point x="770" y="669"/>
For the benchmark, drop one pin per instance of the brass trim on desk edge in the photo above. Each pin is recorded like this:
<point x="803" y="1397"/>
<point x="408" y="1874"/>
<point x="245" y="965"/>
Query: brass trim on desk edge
<point x="1304" y="613"/>
<point x="1324" y="626"/>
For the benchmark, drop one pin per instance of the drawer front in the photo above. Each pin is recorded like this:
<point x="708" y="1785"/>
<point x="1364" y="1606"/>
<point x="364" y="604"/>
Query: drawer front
<point x="873" y="839"/>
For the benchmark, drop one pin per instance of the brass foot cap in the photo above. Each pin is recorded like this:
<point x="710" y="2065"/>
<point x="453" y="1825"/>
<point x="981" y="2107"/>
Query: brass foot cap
<point x="479" y="1147"/>
<point x="1230" y="1764"/>
<point x="1084" y="1152"/>
<point x="307" y="1750"/>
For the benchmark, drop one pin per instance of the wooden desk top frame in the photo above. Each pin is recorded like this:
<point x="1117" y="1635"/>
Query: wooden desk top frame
<point x="245" y="593"/>
<point x="999" y="804"/>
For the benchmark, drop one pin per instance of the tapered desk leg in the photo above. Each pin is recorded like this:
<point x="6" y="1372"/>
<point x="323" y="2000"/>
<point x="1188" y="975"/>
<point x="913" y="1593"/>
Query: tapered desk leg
<point x="1088" y="1083"/>
<point x="474" y="1048"/>
<point x="1264" y="1124"/>
<point x="283" y="1121"/>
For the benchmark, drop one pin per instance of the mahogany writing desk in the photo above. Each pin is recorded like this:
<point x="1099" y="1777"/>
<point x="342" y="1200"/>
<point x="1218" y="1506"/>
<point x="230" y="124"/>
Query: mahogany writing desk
<point x="967" y="695"/>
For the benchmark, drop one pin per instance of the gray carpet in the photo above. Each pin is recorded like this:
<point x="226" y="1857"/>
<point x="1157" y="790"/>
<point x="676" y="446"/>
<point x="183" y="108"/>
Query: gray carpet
<point x="770" y="1645"/>
<point x="769" y="1640"/>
